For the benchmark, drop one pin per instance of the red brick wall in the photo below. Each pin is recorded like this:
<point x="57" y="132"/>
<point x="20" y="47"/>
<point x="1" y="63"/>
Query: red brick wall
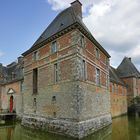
<point x="129" y="83"/>
<point x="118" y="100"/>
<point x="68" y="57"/>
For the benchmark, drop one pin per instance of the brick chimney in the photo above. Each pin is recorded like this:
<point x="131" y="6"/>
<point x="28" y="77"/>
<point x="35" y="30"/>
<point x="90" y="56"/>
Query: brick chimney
<point x="77" y="6"/>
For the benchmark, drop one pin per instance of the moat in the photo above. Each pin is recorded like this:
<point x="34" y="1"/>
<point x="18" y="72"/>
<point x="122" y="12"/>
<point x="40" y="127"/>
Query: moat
<point x="122" y="128"/>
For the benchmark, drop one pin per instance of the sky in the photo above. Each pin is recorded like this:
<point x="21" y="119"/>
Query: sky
<point x="114" y="23"/>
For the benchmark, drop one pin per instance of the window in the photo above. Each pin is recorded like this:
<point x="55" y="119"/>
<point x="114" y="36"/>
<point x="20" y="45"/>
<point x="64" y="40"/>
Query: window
<point x="97" y="76"/>
<point x="54" y="47"/>
<point x="54" y="99"/>
<point x="54" y="114"/>
<point x="107" y="61"/>
<point x="55" y="73"/>
<point x="13" y="75"/>
<point x="35" y="105"/>
<point x="83" y="70"/>
<point x="35" y="55"/>
<point x="97" y="53"/>
<point x="35" y="81"/>
<point x="82" y="41"/>
<point x="21" y="86"/>
<point x="107" y="81"/>
<point x="113" y="88"/>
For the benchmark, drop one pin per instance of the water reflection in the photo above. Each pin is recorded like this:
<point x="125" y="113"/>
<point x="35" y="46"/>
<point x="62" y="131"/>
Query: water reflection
<point x="122" y="128"/>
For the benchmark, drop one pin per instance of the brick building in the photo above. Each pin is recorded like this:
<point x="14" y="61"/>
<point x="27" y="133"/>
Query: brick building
<point x="11" y="79"/>
<point x="118" y="94"/>
<point x="131" y="77"/>
<point x="66" y="78"/>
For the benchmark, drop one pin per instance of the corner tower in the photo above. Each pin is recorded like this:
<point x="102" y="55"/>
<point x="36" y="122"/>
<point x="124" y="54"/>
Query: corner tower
<point x="66" y="78"/>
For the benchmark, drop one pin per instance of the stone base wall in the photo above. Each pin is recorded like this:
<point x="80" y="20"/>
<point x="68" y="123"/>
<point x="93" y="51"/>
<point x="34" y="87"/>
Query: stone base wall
<point x="67" y="127"/>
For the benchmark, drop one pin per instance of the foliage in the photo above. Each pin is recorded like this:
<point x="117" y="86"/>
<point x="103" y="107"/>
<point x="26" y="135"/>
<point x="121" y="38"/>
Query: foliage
<point x="136" y="100"/>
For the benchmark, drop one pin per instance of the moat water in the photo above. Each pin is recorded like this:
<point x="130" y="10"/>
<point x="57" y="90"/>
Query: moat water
<point x="122" y="128"/>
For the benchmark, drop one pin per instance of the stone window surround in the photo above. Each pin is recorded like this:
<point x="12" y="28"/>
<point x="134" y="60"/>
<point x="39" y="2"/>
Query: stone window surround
<point x="54" y="47"/>
<point x="98" y="74"/>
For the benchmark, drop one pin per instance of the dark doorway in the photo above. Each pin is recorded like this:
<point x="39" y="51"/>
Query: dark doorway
<point x="11" y="104"/>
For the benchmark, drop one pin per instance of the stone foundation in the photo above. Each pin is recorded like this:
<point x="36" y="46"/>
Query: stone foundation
<point x="67" y="127"/>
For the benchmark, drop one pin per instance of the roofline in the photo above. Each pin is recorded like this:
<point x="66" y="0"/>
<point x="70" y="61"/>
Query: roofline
<point x="51" y="38"/>
<point x="13" y="81"/>
<point x="130" y="76"/>
<point x="62" y="32"/>
<point x="113" y="81"/>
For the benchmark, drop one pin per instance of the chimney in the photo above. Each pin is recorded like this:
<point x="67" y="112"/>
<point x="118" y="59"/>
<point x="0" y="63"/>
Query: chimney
<point x="130" y="59"/>
<point x="77" y="6"/>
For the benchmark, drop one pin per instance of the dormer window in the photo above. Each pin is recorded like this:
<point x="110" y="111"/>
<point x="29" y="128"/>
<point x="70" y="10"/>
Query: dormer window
<point x="107" y="61"/>
<point x="35" y="55"/>
<point x="97" y="53"/>
<point x="82" y="41"/>
<point x="54" y="47"/>
<point x="13" y="75"/>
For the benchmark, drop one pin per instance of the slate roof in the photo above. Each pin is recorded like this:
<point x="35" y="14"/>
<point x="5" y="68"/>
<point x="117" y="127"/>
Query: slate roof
<point x="6" y="72"/>
<point x="64" y="20"/>
<point x="114" y="76"/>
<point x="127" y="69"/>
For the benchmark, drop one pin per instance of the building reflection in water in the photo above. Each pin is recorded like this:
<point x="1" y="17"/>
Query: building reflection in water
<point x="122" y="128"/>
<point x="9" y="133"/>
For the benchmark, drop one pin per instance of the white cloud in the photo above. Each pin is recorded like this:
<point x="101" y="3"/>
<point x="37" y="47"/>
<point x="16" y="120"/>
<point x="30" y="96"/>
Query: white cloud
<point x="116" y="26"/>
<point x="1" y="53"/>
<point x="114" y="23"/>
<point x="61" y="4"/>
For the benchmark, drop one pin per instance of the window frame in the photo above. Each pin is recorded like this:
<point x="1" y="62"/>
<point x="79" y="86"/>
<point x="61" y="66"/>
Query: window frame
<point x="35" y="81"/>
<point x="54" y="47"/>
<point x="55" y="72"/>
<point x="97" y="53"/>
<point x="83" y="69"/>
<point x="98" y="77"/>
<point x="35" y="55"/>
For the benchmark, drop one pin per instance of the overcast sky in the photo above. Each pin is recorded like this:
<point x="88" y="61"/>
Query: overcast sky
<point x="114" y="23"/>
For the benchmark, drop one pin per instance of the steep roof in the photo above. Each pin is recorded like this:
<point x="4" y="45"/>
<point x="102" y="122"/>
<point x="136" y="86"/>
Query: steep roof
<point x="6" y="72"/>
<point x="66" y="19"/>
<point x="114" y="77"/>
<point x="127" y="68"/>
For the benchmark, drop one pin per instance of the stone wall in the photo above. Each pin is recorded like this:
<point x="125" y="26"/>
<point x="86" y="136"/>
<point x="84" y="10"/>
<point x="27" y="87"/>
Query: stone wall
<point x="16" y="86"/>
<point x="80" y="106"/>
<point x="65" y="126"/>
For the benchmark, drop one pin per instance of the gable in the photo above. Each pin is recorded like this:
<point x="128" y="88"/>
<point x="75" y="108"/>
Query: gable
<point x="11" y="91"/>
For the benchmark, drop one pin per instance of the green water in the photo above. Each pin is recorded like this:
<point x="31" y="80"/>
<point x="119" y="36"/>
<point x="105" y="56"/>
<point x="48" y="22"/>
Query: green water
<point x="122" y="128"/>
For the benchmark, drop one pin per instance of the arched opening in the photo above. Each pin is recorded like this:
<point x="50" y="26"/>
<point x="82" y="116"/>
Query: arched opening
<point x="11" y="104"/>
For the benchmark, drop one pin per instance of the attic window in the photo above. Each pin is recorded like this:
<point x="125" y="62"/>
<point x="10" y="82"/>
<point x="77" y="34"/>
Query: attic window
<point x="54" y="47"/>
<point x="97" y="53"/>
<point x="35" y="55"/>
<point x="13" y="75"/>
